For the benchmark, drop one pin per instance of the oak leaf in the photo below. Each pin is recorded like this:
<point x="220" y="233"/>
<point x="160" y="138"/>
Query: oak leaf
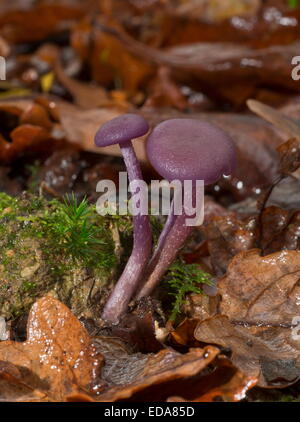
<point x="259" y="300"/>
<point x="58" y="358"/>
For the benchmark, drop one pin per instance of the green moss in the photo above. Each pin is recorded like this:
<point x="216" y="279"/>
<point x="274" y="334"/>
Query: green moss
<point x="64" y="248"/>
<point x="75" y="230"/>
<point x="293" y="4"/>
<point x="182" y="279"/>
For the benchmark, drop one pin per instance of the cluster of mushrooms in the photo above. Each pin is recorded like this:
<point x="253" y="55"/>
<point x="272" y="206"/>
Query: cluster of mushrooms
<point x="178" y="149"/>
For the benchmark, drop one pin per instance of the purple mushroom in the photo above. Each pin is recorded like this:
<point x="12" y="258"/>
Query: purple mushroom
<point x="122" y="130"/>
<point x="184" y="149"/>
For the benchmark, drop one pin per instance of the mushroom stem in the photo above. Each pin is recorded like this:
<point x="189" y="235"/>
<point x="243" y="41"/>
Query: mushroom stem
<point x="161" y="241"/>
<point x="127" y="284"/>
<point x="173" y="241"/>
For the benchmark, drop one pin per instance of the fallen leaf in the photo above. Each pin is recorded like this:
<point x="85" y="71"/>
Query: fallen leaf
<point x="286" y="121"/>
<point x="163" y="91"/>
<point x="273" y="229"/>
<point x="226" y="236"/>
<point x="59" y="361"/>
<point x="27" y="23"/>
<point x="80" y="127"/>
<point x="46" y="82"/>
<point x="84" y="94"/>
<point x="156" y="376"/>
<point x="217" y="65"/>
<point x="214" y="12"/>
<point x="289" y="153"/>
<point x="280" y="230"/>
<point x="25" y="138"/>
<point x="26" y="128"/>
<point x="261" y="289"/>
<point x="286" y="124"/>
<point x="226" y="384"/>
<point x="136" y="376"/>
<point x="259" y="299"/>
<point x="58" y="358"/>
<point x="184" y="333"/>
<point x="110" y="62"/>
<point x="36" y="115"/>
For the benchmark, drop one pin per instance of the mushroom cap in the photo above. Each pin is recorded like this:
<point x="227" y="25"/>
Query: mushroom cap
<point x="121" y="129"/>
<point x="188" y="149"/>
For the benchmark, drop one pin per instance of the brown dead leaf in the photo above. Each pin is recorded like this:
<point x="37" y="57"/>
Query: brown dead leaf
<point x="184" y="333"/>
<point x="227" y="236"/>
<point x="272" y="230"/>
<point x="110" y="62"/>
<point x="25" y="138"/>
<point x="212" y="12"/>
<point x="84" y="94"/>
<point x="261" y="289"/>
<point x="60" y="362"/>
<point x="136" y="376"/>
<point x="173" y="22"/>
<point x="230" y="391"/>
<point x="280" y="229"/>
<point x="226" y="383"/>
<point x="57" y="359"/>
<point x="25" y="128"/>
<point x="148" y="377"/>
<point x="157" y="376"/>
<point x="261" y="351"/>
<point x="218" y="65"/>
<point x="164" y="92"/>
<point x="259" y="299"/>
<point x="36" y="115"/>
<point x="288" y="125"/>
<point x="13" y="388"/>
<point x="289" y="153"/>
<point x="26" y="24"/>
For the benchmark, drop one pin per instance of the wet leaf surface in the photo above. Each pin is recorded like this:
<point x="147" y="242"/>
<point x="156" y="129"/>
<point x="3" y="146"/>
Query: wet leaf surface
<point x="259" y="299"/>
<point x="58" y="357"/>
<point x="159" y="374"/>
<point x="289" y="156"/>
<point x="59" y="361"/>
<point x="157" y="377"/>
<point x="233" y="387"/>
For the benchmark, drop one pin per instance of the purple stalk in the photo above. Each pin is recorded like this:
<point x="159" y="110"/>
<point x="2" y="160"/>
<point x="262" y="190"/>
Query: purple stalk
<point x="161" y="240"/>
<point x="175" y="239"/>
<point x="127" y="284"/>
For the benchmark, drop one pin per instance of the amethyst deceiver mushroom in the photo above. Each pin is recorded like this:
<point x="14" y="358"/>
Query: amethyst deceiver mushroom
<point x="184" y="149"/>
<point x="121" y="130"/>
